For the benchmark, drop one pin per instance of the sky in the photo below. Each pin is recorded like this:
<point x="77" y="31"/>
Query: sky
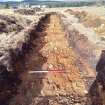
<point x="10" y="0"/>
<point x="49" y="0"/>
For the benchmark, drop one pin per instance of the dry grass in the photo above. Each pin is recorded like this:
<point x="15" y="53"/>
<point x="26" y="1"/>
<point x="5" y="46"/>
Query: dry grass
<point x="90" y="19"/>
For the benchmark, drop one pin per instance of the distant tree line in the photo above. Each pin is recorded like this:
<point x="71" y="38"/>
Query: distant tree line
<point x="51" y="4"/>
<point x="6" y="6"/>
<point x="71" y="4"/>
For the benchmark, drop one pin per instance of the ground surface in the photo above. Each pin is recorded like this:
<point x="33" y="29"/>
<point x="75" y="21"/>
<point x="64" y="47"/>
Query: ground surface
<point x="55" y="62"/>
<point x="50" y="52"/>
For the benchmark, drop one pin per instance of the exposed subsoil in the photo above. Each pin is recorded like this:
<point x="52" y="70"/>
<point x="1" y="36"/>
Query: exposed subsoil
<point x="12" y="83"/>
<point x="49" y="51"/>
<point x="61" y="81"/>
<point x="97" y="88"/>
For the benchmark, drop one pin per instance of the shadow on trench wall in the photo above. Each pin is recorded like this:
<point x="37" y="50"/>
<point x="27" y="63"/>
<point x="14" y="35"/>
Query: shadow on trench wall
<point x="97" y="89"/>
<point x="8" y="85"/>
<point x="11" y="82"/>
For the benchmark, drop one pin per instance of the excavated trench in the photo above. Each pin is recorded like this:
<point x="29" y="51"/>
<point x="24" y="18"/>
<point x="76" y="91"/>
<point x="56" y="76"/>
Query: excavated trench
<point x="47" y="50"/>
<point x="93" y="56"/>
<point x="18" y="82"/>
<point x="51" y="70"/>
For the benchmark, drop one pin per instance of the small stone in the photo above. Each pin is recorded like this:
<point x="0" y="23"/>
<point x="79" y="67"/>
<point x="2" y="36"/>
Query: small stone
<point x="50" y="66"/>
<point x="71" y="96"/>
<point x="77" y="104"/>
<point x="85" y="91"/>
<point x="55" y="48"/>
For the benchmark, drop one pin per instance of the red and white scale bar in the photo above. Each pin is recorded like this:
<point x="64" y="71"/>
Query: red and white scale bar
<point x="48" y="71"/>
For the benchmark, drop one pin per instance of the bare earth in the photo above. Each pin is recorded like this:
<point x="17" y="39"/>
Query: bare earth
<point x="57" y="60"/>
